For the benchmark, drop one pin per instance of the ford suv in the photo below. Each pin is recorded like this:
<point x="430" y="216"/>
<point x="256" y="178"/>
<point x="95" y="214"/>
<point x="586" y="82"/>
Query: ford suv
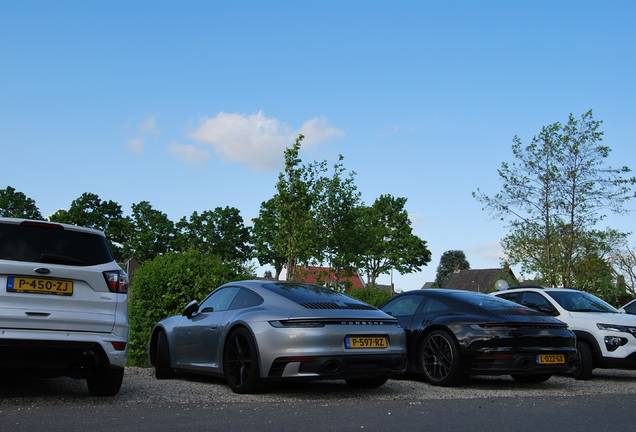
<point x="606" y="338"/>
<point x="63" y="304"/>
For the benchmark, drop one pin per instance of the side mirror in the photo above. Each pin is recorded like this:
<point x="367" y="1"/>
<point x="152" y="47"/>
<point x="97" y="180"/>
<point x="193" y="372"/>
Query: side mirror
<point x="548" y="310"/>
<point x="190" y="309"/>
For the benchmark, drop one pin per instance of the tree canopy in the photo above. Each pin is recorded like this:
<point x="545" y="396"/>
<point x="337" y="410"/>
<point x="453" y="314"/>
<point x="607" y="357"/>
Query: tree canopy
<point x="450" y="261"/>
<point x="553" y="196"/>
<point x="15" y="204"/>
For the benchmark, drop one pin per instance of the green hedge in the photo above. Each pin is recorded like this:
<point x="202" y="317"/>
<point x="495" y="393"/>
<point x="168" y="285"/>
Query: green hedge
<point x="371" y="295"/>
<point x="163" y="286"/>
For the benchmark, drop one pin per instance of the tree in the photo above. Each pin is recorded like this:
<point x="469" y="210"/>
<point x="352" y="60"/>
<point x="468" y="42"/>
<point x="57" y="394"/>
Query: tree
<point x="151" y="233"/>
<point x="16" y="205"/>
<point x="90" y="211"/>
<point x="268" y="238"/>
<point x="386" y="240"/>
<point x="298" y="190"/>
<point x="554" y="195"/>
<point x="220" y="232"/>
<point x="450" y="261"/>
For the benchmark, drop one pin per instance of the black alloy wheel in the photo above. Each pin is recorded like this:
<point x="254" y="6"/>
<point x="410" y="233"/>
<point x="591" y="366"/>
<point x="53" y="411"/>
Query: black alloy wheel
<point x="240" y="363"/>
<point x="439" y="359"/>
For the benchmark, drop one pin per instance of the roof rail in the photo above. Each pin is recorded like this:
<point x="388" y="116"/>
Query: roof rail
<point x="521" y="286"/>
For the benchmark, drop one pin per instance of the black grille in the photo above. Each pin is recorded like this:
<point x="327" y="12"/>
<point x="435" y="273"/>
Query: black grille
<point x="333" y="305"/>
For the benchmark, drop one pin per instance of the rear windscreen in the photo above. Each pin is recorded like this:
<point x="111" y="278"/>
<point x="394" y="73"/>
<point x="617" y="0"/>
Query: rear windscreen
<point x="57" y="246"/>
<point x="303" y="293"/>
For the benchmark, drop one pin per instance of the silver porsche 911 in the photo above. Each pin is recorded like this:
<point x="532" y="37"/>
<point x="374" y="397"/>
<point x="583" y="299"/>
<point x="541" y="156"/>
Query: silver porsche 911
<point x="256" y="332"/>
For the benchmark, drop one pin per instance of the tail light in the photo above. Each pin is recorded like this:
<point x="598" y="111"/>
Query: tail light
<point x="117" y="281"/>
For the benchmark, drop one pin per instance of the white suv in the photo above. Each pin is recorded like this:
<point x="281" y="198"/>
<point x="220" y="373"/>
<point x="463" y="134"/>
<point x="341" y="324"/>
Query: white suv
<point x="63" y="304"/>
<point x="606" y="338"/>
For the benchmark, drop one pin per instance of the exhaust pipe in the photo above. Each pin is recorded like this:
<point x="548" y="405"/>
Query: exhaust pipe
<point x="332" y="366"/>
<point x="526" y="363"/>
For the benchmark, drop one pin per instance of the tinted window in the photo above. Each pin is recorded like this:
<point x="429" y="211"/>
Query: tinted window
<point x="433" y="306"/>
<point x="245" y="299"/>
<point x="403" y="306"/>
<point x="52" y="244"/>
<point x="508" y="296"/>
<point x="304" y="293"/>
<point x="535" y="301"/>
<point x="631" y="308"/>
<point x="219" y="300"/>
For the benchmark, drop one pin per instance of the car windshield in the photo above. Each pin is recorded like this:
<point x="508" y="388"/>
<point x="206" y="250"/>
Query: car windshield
<point x="578" y="301"/>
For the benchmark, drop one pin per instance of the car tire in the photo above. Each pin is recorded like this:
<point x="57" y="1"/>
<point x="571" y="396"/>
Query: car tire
<point x="585" y="362"/>
<point x="163" y="368"/>
<point x="439" y="359"/>
<point x="531" y="379"/>
<point x="372" y="382"/>
<point x="240" y="363"/>
<point x="104" y="382"/>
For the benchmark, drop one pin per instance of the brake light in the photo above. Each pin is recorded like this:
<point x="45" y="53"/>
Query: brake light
<point x="119" y="346"/>
<point x="117" y="281"/>
<point x="38" y="224"/>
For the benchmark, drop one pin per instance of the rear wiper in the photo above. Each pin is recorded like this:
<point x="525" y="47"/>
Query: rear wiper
<point x="60" y="259"/>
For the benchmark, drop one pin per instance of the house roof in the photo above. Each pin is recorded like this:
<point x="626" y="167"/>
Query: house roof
<point x="325" y="275"/>
<point x="477" y="280"/>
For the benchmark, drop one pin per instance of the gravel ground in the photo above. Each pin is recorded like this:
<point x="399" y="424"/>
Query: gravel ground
<point x="140" y="386"/>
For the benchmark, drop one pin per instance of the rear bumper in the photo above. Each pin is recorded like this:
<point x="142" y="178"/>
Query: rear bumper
<point x="522" y="363"/>
<point x="338" y="367"/>
<point x="60" y="353"/>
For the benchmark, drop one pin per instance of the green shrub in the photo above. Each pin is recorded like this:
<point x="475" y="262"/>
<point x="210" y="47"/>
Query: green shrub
<point x="371" y="295"/>
<point x="163" y="286"/>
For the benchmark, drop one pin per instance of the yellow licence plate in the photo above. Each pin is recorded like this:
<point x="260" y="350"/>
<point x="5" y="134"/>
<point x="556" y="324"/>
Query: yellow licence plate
<point x="39" y="286"/>
<point x="550" y="358"/>
<point x="366" y="342"/>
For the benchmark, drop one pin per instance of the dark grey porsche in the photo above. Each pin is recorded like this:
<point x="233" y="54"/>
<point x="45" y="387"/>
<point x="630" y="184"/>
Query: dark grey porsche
<point x="452" y="334"/>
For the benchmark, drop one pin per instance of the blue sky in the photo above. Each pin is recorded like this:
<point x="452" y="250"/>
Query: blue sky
<point x="190" y="104"/>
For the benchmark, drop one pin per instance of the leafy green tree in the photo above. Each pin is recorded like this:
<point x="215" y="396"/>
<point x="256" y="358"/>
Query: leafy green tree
<point x="336" y="217"/>
<point x="554" y="194"/>
<point x="16" y="205"/>
<point x="90" y="211"/>
<point x="151" y="233"/>
<point x="163" y="286"/>
<point x="268" y="238"/>
<point x="386" y="239"/>
<point x="299" y="189"/>
<point x="220" y="232"/>
<point x="450" y="261"/>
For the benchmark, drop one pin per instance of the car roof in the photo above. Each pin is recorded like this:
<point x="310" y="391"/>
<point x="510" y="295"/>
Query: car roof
<point x="19" y="221"/>
<point x="534" y="287"/>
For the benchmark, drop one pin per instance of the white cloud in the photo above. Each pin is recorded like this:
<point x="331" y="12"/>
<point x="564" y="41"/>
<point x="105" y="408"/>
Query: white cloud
<point x="492" y="251"/>
<point x="136" y="145"/>
<point x="189" y="153"/>
<point x="149" y="125"/>
<point x="256" y="140"/>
